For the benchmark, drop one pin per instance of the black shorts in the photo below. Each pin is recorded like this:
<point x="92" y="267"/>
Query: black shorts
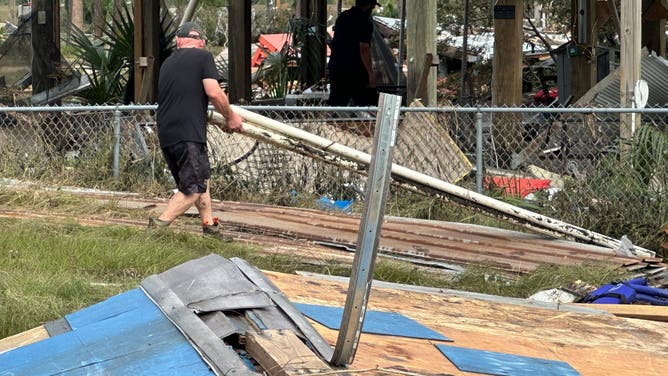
<point x="189" y="164"/>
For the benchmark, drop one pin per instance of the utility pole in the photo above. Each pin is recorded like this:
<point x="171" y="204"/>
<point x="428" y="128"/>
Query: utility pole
<point x="583" y="55"/>
<point x="45" y="24"/>
<point x="507" y="72"/>
<point x="508" y="39"/>
<point x="630" y="39"/>
<point x="421" y="32"/>
<point x="240" y="55"/>
<point x="464" y="93"/>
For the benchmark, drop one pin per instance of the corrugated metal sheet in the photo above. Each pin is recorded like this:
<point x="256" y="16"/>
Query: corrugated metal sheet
<point x="430" y="242"/>
<point x="653" y="69"/>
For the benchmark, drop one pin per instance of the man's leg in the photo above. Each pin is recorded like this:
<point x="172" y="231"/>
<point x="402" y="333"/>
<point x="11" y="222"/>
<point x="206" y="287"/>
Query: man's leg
<point x="189" y="164"/>
<point x="178" y="205"/>
<point x="203" y="204"/>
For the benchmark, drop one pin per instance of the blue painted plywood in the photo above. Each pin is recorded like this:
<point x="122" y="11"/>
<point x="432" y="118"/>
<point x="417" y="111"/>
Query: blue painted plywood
<point x="124" y="335"/>
<point x="375" y="322"/>
<point x="495" y="363"/>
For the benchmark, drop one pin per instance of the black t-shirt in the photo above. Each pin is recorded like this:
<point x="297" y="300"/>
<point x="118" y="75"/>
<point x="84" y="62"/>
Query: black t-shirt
<point x="182" y="101"/>
<point x="352" y="27"/>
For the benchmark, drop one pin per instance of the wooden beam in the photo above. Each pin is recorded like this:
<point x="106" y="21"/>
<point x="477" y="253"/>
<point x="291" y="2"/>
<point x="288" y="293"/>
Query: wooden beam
<point x="46" y="60"/>
<point x="420" y="41"/>
<point x="507" y="73"/>
<point x="629" y="66"/>
<point x="282" y="353"/>
<point x="146" y="50"/>
<point x="421" y="91"/>
<point x="508" y="39"/>
<point x="633" y="311"/>
<point x="239" y="48"/>
<point x="314" y="49"/>
<point x="583" y="65"/>
<point x="22" y="339"/>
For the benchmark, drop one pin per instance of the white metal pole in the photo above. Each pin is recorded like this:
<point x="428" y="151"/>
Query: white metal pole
<point x="528" y="218"/>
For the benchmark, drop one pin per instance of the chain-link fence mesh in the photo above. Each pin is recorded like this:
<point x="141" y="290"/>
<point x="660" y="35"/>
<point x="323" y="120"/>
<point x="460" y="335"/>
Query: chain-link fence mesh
<point x="574" y="164"/>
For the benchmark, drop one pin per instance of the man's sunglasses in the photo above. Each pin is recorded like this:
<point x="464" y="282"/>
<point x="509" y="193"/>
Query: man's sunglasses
<point x="196" y="37"/>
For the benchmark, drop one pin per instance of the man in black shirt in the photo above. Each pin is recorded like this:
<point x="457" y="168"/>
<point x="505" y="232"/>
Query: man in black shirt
<point x="188" y="82"/>
<point x="351" y="74"/>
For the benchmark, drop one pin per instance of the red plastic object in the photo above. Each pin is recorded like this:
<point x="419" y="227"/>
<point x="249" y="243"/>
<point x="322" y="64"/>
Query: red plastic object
<point x="516" y="186"/>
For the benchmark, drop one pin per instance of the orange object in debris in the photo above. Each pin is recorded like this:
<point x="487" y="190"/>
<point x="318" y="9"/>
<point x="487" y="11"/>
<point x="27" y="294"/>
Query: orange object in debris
<point x="516" y="186"/>
<point x="269" y="43"/>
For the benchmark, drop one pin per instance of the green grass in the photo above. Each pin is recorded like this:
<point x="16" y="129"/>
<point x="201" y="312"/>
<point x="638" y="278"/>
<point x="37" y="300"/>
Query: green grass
<point x="52" y="267"/>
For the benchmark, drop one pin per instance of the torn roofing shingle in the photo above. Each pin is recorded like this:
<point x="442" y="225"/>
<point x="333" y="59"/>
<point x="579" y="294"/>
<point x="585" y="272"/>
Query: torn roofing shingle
<point x="221" y="357"/>
<point x="244" y="300"/>
<point x="224" y="325"/>
<point x="261" y="281"/>
<point x="206" y="278"/>
<point x="213" y="285"/>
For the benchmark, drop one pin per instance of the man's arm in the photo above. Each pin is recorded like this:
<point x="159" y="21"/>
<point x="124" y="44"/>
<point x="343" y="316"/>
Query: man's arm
<point x="365" y="53"/>
<point x="220" y="102"/>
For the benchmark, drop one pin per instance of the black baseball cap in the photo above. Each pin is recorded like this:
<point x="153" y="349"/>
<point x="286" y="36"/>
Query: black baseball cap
<point x="187" y="28"/>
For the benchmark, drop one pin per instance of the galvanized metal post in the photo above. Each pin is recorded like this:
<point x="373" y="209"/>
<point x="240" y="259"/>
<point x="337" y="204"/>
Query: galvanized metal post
<point x="369" y="232"/>
<point x="117" y="140"/>
<point x="478" y="152"/>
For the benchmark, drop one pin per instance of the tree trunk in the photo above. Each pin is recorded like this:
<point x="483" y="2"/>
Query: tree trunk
<point x="98" y="18"/>
<point x="76" y="13"/>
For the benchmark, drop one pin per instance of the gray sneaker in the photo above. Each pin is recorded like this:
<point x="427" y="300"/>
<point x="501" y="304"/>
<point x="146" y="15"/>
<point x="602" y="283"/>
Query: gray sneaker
<point x="157" y="223"/>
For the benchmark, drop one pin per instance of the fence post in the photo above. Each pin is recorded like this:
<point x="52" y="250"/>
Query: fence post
<point x="478" y="152"/>
<point x="117" y="140"/>
<point x="368" y="237"/>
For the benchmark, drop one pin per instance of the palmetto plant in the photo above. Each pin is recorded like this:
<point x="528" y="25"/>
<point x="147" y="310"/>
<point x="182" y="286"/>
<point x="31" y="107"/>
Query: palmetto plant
<point x="108" y="60"/>
<point x="650" y="155"/>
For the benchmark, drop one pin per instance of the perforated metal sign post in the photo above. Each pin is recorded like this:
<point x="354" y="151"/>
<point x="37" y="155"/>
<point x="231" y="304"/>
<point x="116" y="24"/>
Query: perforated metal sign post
<point x="369" y="233"/>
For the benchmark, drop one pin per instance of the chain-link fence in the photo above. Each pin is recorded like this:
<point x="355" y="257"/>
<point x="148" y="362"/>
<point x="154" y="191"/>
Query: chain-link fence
<point x="576" y="164"/>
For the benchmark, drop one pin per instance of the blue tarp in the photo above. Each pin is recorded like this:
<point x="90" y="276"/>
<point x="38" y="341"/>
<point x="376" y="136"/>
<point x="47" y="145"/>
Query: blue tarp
<point x="124" y="335"/>
<point x="375" y="322"/>
<point x="495" y="363"/>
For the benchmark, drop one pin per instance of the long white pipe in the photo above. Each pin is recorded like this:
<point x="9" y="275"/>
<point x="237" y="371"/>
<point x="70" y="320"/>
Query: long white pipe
<point x="530" y="219"/>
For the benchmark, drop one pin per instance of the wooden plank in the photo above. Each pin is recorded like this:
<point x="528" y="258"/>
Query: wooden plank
<point x="634" y="311"/>
<point x="630" y="40"/>
<point x="282" y="353"/>
<point x="25" y="338"/>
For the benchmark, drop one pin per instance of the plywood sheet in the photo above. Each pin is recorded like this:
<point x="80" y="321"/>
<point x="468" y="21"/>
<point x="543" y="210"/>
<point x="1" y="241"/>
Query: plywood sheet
<point x="591" y="344"/>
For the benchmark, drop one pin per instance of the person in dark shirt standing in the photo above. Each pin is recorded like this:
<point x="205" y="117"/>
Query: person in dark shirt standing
<point x="188" y="82"/>
<point x="351" y="74"/>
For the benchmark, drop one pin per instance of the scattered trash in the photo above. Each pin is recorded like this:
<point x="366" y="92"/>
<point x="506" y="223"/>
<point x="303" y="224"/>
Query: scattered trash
<point x="628" y="292"/>
<point x="550" y="193"/>
<point x="553" y="296"/>
<point x="328" y="203"/>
